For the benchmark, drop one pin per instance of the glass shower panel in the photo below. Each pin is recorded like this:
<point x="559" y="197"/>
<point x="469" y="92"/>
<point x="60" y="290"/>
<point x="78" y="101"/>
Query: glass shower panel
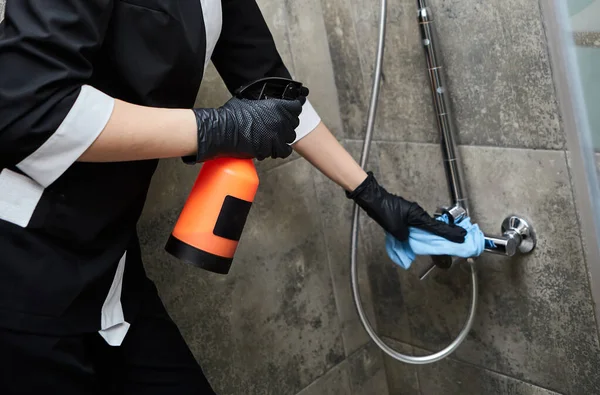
<point x="584" y="23"/>
<point x="573" y="31"/>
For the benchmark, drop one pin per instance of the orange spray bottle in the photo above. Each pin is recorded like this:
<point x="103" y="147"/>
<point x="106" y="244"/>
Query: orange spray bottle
<point x="212" y="220"/>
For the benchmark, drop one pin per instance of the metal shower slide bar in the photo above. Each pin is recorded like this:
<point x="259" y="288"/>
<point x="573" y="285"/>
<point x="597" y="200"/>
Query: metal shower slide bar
<point x="517" y="234"/>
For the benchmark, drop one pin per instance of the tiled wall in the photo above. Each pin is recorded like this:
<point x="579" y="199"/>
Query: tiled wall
<point x="535" y="331"/>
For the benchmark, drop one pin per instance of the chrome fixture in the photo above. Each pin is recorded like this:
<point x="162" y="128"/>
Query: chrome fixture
<point x="517" y="237"/>
<point x="513" y="240"/>
<point x="441" y="105"/>
<point x="517" y="234"/>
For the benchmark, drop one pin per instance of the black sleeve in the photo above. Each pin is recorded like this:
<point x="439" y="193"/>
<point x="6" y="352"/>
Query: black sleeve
<point x="246" y="50"/>
<point x="48" y="115"/>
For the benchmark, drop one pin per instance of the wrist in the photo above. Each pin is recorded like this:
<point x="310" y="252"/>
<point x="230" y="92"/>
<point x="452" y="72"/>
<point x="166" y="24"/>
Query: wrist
<point x="354" y="180"/>
<point x="357" y="190"/>
<point x="193" y="123"/>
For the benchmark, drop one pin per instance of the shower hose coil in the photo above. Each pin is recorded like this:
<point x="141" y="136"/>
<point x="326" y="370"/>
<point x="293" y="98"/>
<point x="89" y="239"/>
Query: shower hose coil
<point x="416" y="360"/>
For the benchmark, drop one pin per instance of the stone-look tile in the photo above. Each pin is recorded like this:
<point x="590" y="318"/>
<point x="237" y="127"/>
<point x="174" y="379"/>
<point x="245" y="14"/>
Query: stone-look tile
<point x="415" y="172"/>
<point x="496" y="66"/>
<point x="587" y="39"/>
<point x="312" y="60"/>
<point x="535" y="318"/>
<point x="270" y="325"/>
<point x="278" y="19"/>
<point x="334" y="382"/>
<point x="345" y="56"/>
<point x="401" y="377"/>
<point x="363" y="373"/>
<point x="453" y="378"/>
<point x="336" y="213"/>
<point x="450" y="377"/>
<point x="390" y="309"/>
<point x="405" y="110"/>
<point x="212" y="92"/>
<point x="543" y="301"/>
<point x="498" y="73"/>
<point x="367" y="371"/>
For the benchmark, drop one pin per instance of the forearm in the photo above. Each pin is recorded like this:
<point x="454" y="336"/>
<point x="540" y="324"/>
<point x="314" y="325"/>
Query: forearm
<point x="323" y="150"/>
<point x="136" y="133"/>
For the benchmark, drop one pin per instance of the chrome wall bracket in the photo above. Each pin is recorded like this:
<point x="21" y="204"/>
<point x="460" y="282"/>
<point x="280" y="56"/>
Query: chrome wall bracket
<point x="517" y="238"/>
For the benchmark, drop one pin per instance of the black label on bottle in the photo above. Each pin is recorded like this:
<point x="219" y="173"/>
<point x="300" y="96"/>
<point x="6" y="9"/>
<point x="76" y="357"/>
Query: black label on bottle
<point x="232" y="218"/>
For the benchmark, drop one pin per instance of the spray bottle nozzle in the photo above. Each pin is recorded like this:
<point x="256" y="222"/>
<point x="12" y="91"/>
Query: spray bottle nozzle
<point x="272" y="88"/>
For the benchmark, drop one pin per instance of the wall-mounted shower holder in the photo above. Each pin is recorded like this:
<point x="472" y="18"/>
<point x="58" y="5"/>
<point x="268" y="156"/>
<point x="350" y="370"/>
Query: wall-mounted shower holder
<point x="517" y="234"/>
<point x="518" y="237"/>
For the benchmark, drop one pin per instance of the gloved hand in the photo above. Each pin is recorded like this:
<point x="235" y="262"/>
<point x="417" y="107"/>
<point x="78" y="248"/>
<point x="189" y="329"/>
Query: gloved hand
<point x="395" y="214"/>
<point x="246" y="129"/>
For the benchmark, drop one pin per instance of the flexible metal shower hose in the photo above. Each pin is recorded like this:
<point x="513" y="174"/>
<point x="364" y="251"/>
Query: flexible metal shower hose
<point x="416" y="360"/>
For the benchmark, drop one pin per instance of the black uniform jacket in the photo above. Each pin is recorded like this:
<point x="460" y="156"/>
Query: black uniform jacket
<point x="66" y="225"/>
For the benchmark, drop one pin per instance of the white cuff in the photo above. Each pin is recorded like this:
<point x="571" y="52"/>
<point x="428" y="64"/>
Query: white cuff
<point x="80" y="128"/>
<point x="309" y="120"/>
<point x="19" y="196"/>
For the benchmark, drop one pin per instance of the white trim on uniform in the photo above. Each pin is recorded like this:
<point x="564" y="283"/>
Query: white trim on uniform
<point x="113" y="324"/>
<point x="213" y="23"/>
<point x="19" y="196"/>
<point x="82" y="125"/>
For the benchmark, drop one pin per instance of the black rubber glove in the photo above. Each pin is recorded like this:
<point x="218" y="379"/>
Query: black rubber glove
<point x="247" y="129"/>
<point x="395" y="214"/>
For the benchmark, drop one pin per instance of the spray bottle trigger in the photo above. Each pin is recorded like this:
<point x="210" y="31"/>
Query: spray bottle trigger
<point x="272" y="88"/>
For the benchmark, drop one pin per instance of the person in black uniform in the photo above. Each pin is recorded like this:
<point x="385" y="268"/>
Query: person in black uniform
<point x="92" y="94"/>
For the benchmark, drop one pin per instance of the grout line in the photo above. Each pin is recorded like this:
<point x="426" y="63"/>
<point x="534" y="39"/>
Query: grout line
<point x="280" y="165"/>
<point x="328" y="371"/>
<point x="328" y="252"/>
<point x="359" y="49"/>
<point x="473" y="365"/>
<point x="288" y="34"/>
<point x="355" y="140"/>
<point x="551" y="69"/>
<point x="334" y="285"/>
<point x="325" y="373"/>
<point x="329" y="266"/>
<point x="418" y="376"/>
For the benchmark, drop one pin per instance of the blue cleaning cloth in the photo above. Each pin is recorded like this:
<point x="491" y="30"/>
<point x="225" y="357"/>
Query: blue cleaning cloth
<point x="421" y="242"/>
